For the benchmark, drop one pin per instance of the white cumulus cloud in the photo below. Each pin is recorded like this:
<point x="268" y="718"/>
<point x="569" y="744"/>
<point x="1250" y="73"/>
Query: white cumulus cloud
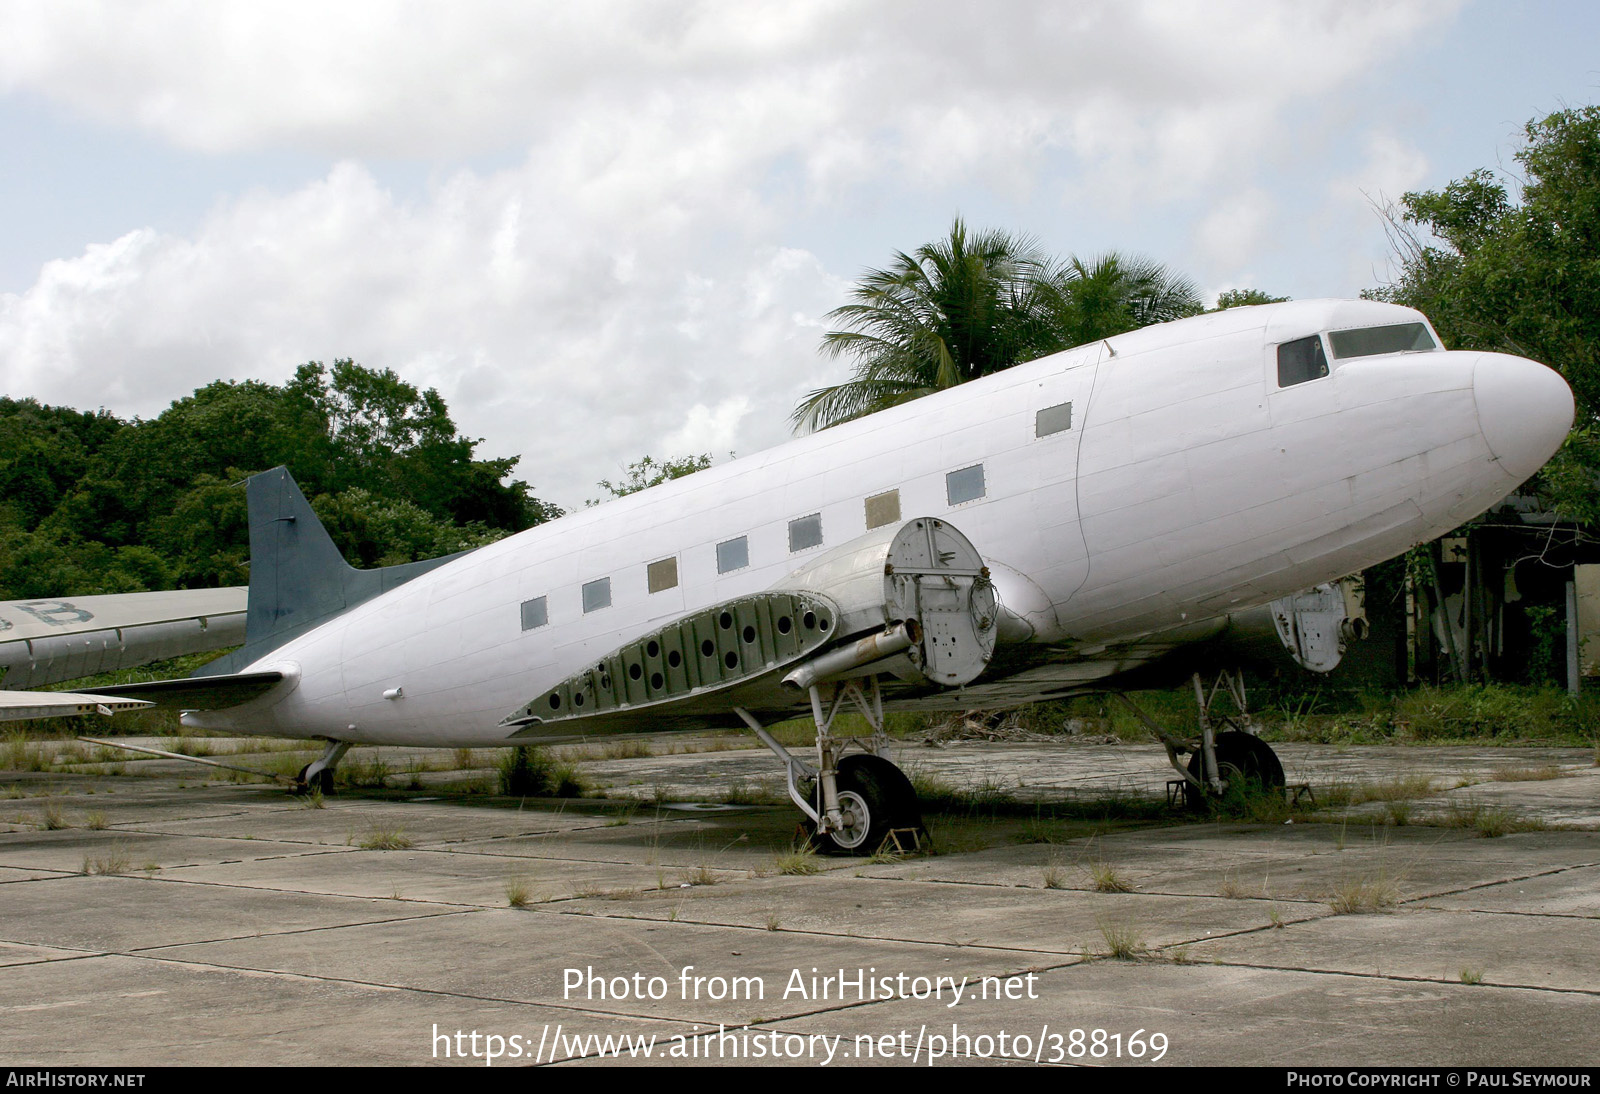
<point x="628" y="283"/>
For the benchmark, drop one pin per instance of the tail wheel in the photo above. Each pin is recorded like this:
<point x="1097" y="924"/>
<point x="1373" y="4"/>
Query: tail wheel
<point x="1243" y="762"/>
<point x="322" y="782"/>
<point x="874" y="797"/>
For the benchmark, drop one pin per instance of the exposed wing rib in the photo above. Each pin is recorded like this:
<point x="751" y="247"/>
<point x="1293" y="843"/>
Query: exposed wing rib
<point x="19" y="706"/>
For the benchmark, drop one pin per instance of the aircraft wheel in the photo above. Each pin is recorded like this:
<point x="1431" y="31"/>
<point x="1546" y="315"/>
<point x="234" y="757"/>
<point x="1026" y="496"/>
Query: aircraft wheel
<point x="1244" y="762"/>
<point x="322" y="783"/>
<point x="875" y="796"/>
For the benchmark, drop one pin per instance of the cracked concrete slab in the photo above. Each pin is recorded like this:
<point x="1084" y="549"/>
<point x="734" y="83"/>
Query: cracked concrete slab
<point x="129" y="913"/>
<point x="266" y="934"/>
<point x="1500" y="948"/>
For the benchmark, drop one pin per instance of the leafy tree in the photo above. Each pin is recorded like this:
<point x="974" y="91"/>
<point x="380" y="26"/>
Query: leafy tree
<point x="1243" y="298"/>
<point x="91" y="504"/>
<point x="373" y="530"/>
<point x="647" y="472"/>
<point x="44" y="450"/>
<point x="374" y="429"/>
<point x="1521" y="276"/>
<point x="973" y="304"/>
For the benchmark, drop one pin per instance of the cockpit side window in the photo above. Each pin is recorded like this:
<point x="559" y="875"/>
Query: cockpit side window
<point x="1369" y="341"/>
<point x="1301" y="360"/>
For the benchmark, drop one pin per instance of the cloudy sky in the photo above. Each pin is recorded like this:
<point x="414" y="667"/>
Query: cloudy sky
<point x="614" y="228"/>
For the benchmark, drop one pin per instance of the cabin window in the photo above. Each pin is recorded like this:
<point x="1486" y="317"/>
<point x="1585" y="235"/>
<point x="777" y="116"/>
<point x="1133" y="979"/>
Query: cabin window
<point x="662" y="575"/>
<point x="1370" y="341"/>
<point x="1052" y="419"/>
<point x="597" y="595"/>
<point x="535" y="613"/>
<point x="1301" y="360"/>
<point x="883" y="509"/>
<point x="733" y="554"/>
<point x="805" y="532"/>
<point x="964" y="485"/>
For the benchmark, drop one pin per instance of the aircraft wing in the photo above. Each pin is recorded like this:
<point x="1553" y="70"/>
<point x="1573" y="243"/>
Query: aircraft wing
<point x="47" y="641"/>
<point x="913" y="602"/>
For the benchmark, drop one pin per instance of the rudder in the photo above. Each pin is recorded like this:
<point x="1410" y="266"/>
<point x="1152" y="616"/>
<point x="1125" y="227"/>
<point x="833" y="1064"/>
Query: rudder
<point x="298" y="577"/>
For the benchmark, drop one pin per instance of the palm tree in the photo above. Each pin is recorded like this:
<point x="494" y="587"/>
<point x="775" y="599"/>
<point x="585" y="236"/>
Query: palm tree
<point x="958" y="309"/>
<point x="1117" y="293"/>
<point x="970" y="305"/>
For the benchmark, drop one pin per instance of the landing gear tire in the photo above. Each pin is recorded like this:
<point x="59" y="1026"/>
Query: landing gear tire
<point x="322" y="783"/>
<point x="875" y="796"/>
<point x="1244" y="762"/>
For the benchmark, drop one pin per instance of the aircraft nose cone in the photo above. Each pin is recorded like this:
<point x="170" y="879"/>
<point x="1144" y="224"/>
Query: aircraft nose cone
<point x="1524" y="410"/>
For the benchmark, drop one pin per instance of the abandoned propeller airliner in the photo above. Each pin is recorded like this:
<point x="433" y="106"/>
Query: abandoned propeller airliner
<point x="1037" y="533"/>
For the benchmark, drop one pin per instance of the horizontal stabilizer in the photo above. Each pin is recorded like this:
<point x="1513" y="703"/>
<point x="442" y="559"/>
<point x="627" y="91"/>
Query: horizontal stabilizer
<point x="19" y="706"/>
<point x="194" y="692"/>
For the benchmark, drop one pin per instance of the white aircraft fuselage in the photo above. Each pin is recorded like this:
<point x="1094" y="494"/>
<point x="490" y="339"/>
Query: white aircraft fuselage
<point x="1187" y="482"/>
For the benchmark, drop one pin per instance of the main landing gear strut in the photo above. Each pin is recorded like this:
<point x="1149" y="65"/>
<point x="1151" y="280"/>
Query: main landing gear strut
<point x="857" y="802"/>
<point x="1232" y="759"/>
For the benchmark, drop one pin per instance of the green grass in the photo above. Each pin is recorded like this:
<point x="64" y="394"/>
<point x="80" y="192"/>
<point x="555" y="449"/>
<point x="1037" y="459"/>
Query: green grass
<point x="1123" y="940"/>
<point x="1526" y="774"/>
<point x="382" y="838"/>
<point x="1488" y="821"/>
<point x="531" y="772"/>
<point x="753" y="792"/>
<point x="1365" y="895"/>
<point x="796" y="862"/>
<point x="112" y="861"/>
<point x="1108" y="879"/>
<point x="701" y="875"/>
<point x="1498" y="714"/>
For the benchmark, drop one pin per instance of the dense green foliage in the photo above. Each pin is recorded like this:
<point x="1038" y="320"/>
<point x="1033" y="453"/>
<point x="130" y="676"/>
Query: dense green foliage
<point x="1243" y="298"/>
<point x="974" y="304"/>
<point x="90" y="504"/>
<point x="1521" y="277"/>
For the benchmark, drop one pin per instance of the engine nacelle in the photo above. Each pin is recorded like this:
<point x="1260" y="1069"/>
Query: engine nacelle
<point x="922" y="576"/>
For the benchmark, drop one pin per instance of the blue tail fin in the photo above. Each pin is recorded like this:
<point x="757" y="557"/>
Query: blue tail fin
<point x="298" y="578"/>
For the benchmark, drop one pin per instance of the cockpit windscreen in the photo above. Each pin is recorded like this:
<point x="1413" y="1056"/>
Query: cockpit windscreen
<point x="1369" y="341"/>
